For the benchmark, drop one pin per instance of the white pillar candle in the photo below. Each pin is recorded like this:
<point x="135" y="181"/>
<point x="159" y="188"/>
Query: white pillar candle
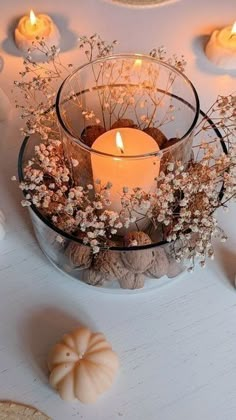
<point x="123" y="169"/>
<point x="31" y="27"/>
<point x="221" y="48"/>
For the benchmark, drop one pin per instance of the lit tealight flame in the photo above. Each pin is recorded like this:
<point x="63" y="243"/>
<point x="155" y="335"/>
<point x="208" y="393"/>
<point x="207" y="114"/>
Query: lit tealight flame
<point x="138" y="62"/>
<point x="119" y="142"/>
<point x="233" y="32"/>
<point x="33" y="18"/>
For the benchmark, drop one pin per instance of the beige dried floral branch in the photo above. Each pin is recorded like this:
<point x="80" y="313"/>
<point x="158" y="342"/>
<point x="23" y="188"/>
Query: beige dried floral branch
<point x="185" y="199"/>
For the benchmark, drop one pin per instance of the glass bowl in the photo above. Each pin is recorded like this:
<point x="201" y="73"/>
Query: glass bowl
<point x="71" y="256"/>
<point x="155" y="109"/>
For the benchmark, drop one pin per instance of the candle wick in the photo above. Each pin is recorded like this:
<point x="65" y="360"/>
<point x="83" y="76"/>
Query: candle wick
<point x="122" y="151"/>
<point x="232" y="35"/>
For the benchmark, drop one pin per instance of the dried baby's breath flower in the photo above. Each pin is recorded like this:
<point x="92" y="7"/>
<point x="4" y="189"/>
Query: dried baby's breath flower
<point x="185" y="198"/>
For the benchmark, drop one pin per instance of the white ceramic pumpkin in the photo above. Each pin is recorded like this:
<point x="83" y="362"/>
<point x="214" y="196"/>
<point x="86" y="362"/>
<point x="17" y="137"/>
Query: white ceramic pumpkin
<point x="82" y="366"/>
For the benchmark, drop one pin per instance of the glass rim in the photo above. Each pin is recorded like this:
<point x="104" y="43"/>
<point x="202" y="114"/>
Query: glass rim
<point x="70" y="237"/>
<point x="157" y="153"/>
<point x="64" y="234"/>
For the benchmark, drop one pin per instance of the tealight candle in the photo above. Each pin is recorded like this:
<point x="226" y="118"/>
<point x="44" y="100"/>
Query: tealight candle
<point x="221" y="48"/>
<point x="34" y="27"/>
<point x="124" y="169"/>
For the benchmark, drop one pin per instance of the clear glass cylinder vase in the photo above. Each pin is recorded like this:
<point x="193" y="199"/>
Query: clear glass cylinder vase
<point x="152" y="106"/>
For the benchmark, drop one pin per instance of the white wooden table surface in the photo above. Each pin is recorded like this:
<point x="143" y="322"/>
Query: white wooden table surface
<point x="176" y="344"/>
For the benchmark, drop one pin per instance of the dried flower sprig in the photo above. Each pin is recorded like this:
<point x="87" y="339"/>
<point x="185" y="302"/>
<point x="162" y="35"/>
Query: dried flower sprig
<point x="185" y="198"/>
<point x="95" y="47"/>
<point x="39" y="82"/>
<point x="161" y="54"/>
<point x="37" y="89"/>
<point x="77" y="210"/>
<point x="184" y="201"/>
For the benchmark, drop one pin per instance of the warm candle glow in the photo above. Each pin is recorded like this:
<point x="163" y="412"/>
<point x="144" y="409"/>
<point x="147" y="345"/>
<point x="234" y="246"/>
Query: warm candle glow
<point x="119" y="142"/>
<point x="33" y="18"/>
<point x="33" y="27"/>
<point x="233" y="32"/>
<point x="221" y="47"/>
<point x="138" y="62"/>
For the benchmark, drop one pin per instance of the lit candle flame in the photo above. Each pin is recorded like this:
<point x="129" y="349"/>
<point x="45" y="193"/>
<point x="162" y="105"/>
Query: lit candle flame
<point x="138" y="62"/>
<point x="33" y="18"/>
<point x="119" y="142"/>
<point x="233" y="32"/>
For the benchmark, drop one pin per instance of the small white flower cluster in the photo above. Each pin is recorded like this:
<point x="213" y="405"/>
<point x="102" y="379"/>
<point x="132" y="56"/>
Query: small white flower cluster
<point x="178" y="62"/>
<point x="94" y="45"/>
<point x="40" y="81"/>
<point x="37" y="89"/>
<point x="76" y="210"/>
<point x="183" y="202"/>
<point x="185" y="197"/>
<point x="122" y="92"/>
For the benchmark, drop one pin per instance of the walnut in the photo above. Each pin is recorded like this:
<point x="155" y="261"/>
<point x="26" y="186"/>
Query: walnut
<point x="175" y="268"/>
<point x="132" y="281"/>
<point x="110" y="264"/>
<point x="141" y="238"/>
<point x="93" y="277"/>
<point x="157" y="135"/>
<point x="171" y="141"/>
<point x="91" y="133"/>
<point x="160" y="265"/>
<point x="123" y="122"/>
<point x="137" y="261"/>
<point x="80" y="256"/>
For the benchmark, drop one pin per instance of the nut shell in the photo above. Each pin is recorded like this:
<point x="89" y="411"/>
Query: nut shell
<point x="175" y="268"/>
<point x="172" y="141"/>
<point x="137" y="261"/>
<point x="132" y="281"/>
<point x="80" y="256"/>
<point x="123" y="122"/>
<point x="110" y="264"/>
<point x="140" y="237"/>
<point x="93" y="277"/>
<point x="160" y="265"/>
<point x="91" y="133"/>
<point x="157" y="135"/>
